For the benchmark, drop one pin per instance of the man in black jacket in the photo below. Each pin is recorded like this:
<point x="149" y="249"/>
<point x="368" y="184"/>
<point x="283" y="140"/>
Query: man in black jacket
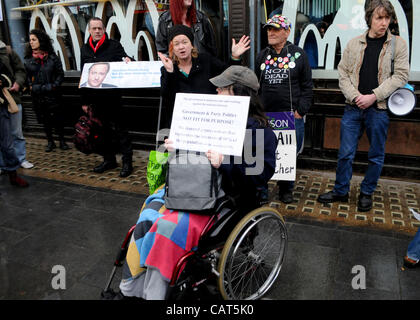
<point x="285" y="79"/>
<point x="106" y="104"/>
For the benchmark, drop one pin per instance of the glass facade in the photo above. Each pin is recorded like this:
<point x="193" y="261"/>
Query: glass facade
<point x="321" y="27"/>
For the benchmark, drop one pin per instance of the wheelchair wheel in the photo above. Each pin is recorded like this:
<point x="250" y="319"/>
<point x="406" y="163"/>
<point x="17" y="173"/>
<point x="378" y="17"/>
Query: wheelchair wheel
<point x="253" y="255"/>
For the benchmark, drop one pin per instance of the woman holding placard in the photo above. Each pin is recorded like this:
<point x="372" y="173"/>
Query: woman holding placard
<point x="188" y="71"/>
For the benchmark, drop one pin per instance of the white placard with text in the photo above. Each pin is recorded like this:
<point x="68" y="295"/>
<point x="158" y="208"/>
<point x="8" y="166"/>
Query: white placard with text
<point x="203" y="122"/>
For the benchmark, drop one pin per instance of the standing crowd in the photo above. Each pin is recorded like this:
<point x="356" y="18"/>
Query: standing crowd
<point x="186" y="46"/>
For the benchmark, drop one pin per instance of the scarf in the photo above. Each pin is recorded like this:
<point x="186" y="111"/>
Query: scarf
<point x="40" y="56"/>
<point x="100" y="42"/>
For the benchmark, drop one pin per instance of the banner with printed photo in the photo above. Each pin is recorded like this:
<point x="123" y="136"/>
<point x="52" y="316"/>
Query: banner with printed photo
<point x="108" y="75"/>
<point x="283" y="125"/>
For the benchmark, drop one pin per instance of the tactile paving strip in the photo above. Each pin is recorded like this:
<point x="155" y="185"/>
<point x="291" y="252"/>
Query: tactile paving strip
<point x="391" y="200"/>
<point x="76" y="167"/>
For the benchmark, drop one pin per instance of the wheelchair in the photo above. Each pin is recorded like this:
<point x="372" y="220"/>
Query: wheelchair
<point x="239" y="253"/>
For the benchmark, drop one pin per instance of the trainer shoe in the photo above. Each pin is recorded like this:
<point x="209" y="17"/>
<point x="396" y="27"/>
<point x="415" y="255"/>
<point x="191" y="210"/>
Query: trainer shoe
<point x="26" y="164"/>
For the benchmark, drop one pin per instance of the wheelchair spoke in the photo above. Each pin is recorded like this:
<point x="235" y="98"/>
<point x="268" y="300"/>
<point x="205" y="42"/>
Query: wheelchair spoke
<point x="254" y="256"/>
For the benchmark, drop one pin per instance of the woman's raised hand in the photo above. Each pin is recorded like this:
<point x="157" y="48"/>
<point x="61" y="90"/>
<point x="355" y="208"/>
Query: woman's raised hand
<point x="167" y="62"/>
<point x="241" y="47"/>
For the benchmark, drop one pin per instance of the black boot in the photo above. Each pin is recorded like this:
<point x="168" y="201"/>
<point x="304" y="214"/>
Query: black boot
<point x="364" y="202"/>
<point x="104" y="166"/>
<point x="51" y="146"/>
<point x="63" y="145"/>
<point x="127" y="169"/>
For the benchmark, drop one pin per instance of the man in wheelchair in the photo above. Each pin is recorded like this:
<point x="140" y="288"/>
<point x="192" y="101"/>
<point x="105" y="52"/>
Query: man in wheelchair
<point x="163" y="240"/>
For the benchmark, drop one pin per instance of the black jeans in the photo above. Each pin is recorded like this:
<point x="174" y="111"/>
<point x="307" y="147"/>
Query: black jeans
<point x="50" y="114"/>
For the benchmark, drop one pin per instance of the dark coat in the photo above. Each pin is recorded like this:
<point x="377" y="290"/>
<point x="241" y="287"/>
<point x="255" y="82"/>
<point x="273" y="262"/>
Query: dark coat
<point x="203" y="68"/>
<point x="103" y="101"/>
<point x="110" y="51"/>
<point x="274" y="82"/>
<point x="11" y="60"/>
<point x="204" y="39"/>
<point x="236" y="179"/>
<point x="45" y="79"/>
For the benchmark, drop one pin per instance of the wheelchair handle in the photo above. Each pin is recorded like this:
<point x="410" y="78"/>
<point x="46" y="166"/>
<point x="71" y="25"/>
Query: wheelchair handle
<point x="122" y="253"/>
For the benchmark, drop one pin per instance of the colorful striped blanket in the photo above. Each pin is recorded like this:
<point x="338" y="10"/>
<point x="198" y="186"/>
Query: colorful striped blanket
<point x="161" y="237"/>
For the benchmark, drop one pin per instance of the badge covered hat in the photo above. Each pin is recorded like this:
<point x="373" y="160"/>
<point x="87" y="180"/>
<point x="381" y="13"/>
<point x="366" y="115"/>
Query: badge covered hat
<point x="278" y="21"/>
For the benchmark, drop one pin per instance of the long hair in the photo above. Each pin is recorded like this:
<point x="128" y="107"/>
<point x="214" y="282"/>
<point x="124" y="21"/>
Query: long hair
<point x="379" y="4"/>
<point x="176" y="9"/>
<point x="256" y="109"/>
<point x="45" y="42"/>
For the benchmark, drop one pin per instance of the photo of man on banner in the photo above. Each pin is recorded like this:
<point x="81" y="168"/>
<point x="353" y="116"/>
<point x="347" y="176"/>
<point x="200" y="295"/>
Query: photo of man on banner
<point x="97" y="73"/>
<point x="107" y="75"/>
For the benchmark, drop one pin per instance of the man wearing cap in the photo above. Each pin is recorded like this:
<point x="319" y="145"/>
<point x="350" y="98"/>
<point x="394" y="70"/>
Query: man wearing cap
<point x="285" y="78"/>
<point x="106" y="103"/>
<point x="366" y="81"/>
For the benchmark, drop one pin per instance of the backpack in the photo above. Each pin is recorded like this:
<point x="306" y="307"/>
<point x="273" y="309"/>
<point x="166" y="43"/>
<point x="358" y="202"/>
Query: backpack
<point x="192" y="183"/>
<point x="89" y="134"/>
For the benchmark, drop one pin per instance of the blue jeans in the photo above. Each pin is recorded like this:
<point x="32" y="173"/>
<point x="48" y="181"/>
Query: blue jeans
<point x="19" y="143"/>
<point x="354" y="122"/>
<point x="287" y="186"/>
<point x="413" y="250"/>
<point x="7" y="153"/>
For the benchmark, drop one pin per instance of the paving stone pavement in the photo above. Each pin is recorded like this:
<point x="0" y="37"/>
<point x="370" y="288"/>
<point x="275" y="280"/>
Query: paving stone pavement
<point x="54" y="223"/>
<point x="390" y="211"/>
<point x="80" y="226"/>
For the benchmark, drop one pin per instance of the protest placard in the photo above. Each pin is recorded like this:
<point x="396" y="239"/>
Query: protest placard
<point x="134" y="74"/>
<point x="283" y="125"/>
<point x="203" y="122"/>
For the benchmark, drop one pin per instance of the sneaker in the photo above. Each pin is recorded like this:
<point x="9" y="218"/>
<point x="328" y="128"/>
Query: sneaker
<point x="26" y="165"/>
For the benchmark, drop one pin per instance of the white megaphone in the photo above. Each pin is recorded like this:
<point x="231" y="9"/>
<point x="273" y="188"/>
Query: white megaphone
<point x="402" y="101"/>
